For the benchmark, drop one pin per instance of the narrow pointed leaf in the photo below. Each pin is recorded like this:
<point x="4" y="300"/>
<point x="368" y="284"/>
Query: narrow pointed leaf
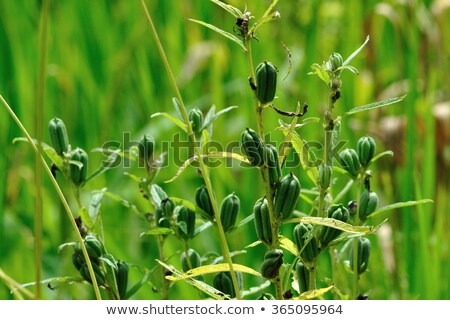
<point x="213" y="269"/>
<point x="233" y="10"/>
<point x="222" y="32"/>
<point x="157" y="231"/>
<point x="334" y="223"/>
<point x="375" y="105"/>
<point x="399" y="205"/>
<point x="210" y="119"/>
<point x="382" y="154"/>
<point x="176" y="121"/>
<point x="350" y="58"/>
<point x="288" y="245"/>
<point x="158" y="194"/>
<point x="313" y="294"/>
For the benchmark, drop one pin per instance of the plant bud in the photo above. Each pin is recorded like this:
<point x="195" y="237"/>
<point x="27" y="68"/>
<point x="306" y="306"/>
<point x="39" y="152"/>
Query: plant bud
<point x="194" y="260"/>
<point x="273" y="165"/>
<point x="196" y="119"/>
<point x="167" y="207"/>
<point x="308" y="250"/>
<point x="78" y="260"/>
<point x="262" y="220"/>
<point x="366" y="150"/>
<point x="302" y="276"/>
<point x="325" y="173"/>
<point x="222" y="282"/>
<point x="266" y="82"/>
<point x="58" y="135"/>
<point x="185" y="222"/>
<point x="273" y="260"/>
<point x="146" y="147"/>
<point x="253" y="147"/>
<point x="161" y="220"/>
<point x="328" y="234"/>
<point x="348" y="159"/>
<point x="204" y="202"/>
<point x="122" y="278"/>
<point x="367" y="204"/>
<point x="229" y="210"/>
<point x="335" y="61"/>
<point x="78" y="174"/>
<point x="363" y="255"/>
<point x="286" y="196"/>
<point x="93" y="246"/>
<point x="99" y="274"/>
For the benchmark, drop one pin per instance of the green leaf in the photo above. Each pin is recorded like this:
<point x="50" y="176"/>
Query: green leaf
<point x="254" y="290"/>
<point x="233" y="10"/>
<point x="67" y="244"/>
<point x="94" y="206"/>
<point x="313" y="294"/>
<point x="157" y="231"/>
<point x="158" y="194"/>
<point x="288" y="245"/>
<point x="350" y="58"/>
<point x="125" y="203"/>
<point x="253" y="244"/>
<point x="232" y="254"/>
<point x="184" y="202"/>
<point x="49" y="151"/>
<point x="177" y="106"/>
<point x="213" y="269"/>
<point x="222" y="32"/>
<point x="375" y="105"/>
<point x="137" y="286"/>
<point x="211" y="116"/>
<point x="244" y="221"/>
<point x="382" y="154"/>
<point x="202" y="227"/>
<point x="321" y="72"/>
<point x="133" y="177"/>
<point x="399" y="205"/>
<point x="86" y="218"/>
<point x="105" y="166"/>
<point x="334" y="223"/>
<point x="111" y="268"/>
<point x="200" y="285"/>
<point x="54" y="283"/>
<point x="176" y="121"/>
<point x="268" y="16"/>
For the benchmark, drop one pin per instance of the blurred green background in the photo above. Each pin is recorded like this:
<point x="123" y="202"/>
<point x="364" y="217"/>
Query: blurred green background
<point x="105" y="79"/>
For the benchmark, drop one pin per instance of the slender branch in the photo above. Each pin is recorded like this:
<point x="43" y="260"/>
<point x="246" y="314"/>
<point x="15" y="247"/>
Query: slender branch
<point x="197" y="151"/>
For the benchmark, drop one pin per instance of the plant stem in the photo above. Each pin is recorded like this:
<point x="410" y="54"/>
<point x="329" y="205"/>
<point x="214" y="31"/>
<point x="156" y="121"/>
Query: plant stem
<point x="165" y="284"/>
<point x="60" y="194"/>
<point x="197" y="151"/>
<point x="274" y="221"/>
<point x="355" y="290"/>
<point x="312" y="275"/>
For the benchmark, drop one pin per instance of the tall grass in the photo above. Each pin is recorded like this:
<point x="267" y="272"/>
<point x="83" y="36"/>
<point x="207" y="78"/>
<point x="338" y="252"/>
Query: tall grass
<point x="104" y="77"/>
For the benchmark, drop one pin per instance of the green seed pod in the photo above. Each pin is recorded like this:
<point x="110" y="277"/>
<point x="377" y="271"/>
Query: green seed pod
<point x="325" y="173"/>
<point x="286" y="196"/>
<point x="185" y="222"/>
<point x="302" y="276"/>
<point x="273" y="260"/>
<point x="366" y="150"/>
<point x="94" y="247"/>
<point x="222" y="282"/>
<point x="368" y="203"/>
<point x="302" y="232"/>
<point x="146" y="147"/>
<point x="58" y="135"/>
<point x="335" y="61"/>
<point x="262" y="220"/>
<point x="122" y="278"/>
<point x="348" y="159"/>
<point x="266" y="296"/>
<point x="363" y="255"/>
<point x="253" y="147"/>
<point x="196" y="119"/>
<point x="78" y="174"/>
<point x="229" y="210"/>
<point x="194" y="259"/>
<point x="99" y="274"/>
<point x="328" y="234"/>
<point x="266" y="82"/>
<point x="161" y="220"/>
<point x="78" y="260"/>
<point x="273" y="165"/>
<point x="167" y="207"/>
<point x="204" y="202"/>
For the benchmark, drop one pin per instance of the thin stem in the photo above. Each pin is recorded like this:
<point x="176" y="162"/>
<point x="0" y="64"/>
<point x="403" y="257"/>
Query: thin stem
<point x="197" y="151"/>
<point x="312" y="275"/>
<point x="355" y="290"/>
<point x="60" y="194"/>
<point x="165" y="284"/>
<point x="274" y="222"/>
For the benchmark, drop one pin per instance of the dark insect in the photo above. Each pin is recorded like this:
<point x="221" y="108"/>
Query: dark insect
<point x="242" y="24"/>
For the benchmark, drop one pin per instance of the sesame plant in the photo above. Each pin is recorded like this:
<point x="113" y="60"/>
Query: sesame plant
<point x="294" y="240"/>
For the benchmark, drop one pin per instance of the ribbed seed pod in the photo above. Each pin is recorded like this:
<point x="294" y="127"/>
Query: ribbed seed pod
<point x="266" y="82"/>
<point x="122" y="278"/>
<point x="185" y="222"/>
<point x="58" y="135"/>
<point x="78" y="174"/>
<point x="368" y="203"/>
<point x="348" y="159"/>
<point x="273" y="165"/>
<point x="273" y="260"/>
<point x="78" y="260"/>
<point x="328" y="234"/>
<point x="302" y="232"/>
<point x="366" y="150"/>
<point x="253" y="147"/>
<point x="204" y="202"/>
<point x="229" y="210"/>
<point x="161" y="220"/>
<point x="93" y="246"/>
<point x="262" y="220"/>
<point x="325" y="173"/>
<point x="302" y="276"/>
<point x="286" y="196"/>
<point x="196" y="119"/>
<point x="99" y="274"/>
<point x="194" y="259"/>
<point x="335" y="61"/>
<point x="146" y="147"/>
<point x="363" y="255"/>
<point x="167" y="207"/>
<point x="222" y="282"/>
